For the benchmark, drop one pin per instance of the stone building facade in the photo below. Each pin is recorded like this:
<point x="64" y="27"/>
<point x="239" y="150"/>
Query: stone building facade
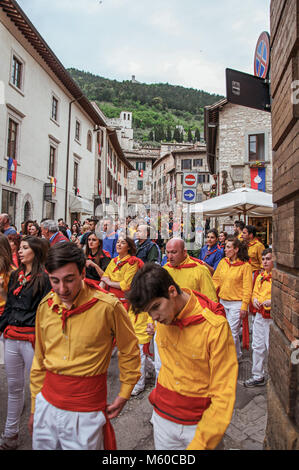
<point x="239" y="139"/>
<point x="168" y="171"/>
<point x="282" y="432"/>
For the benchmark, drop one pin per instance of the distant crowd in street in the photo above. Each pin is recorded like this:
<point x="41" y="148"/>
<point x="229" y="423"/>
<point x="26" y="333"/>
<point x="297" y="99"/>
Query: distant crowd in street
<point x="71" y="297"/>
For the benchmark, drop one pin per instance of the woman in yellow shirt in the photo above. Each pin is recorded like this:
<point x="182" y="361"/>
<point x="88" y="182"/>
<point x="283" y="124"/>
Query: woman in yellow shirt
<point x="233" y="284"/>
<point x="117" y="279"/>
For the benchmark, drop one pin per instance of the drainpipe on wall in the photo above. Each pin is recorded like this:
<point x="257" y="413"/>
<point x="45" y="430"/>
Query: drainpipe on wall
<point x="68" y="157"/>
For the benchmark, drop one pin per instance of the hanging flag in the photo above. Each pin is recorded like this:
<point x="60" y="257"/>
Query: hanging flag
<point x="258" y="178"/>
<point x="99" y="149"/>
<point x="11" y="170"/>
<point x="100" y="187"/>
<point x="53" y="183"/>
<point x="141" y="173"/>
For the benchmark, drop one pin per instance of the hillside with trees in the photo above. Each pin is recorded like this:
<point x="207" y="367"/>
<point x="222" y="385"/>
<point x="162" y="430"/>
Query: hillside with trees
<point x="161" y="112"/>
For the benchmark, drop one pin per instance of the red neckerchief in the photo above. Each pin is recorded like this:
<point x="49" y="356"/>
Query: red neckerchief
<point x="132" y="260"/>
<point x="187" y="265"/>
<point x="205" y="302"/>
<point x="65" y="313"/>
<point x="22" y="280"/>
<point x="210" y="253"/>
<point x="265" y="276"/>
<point x="104" y="253"/>
<point x="235" y="263"/>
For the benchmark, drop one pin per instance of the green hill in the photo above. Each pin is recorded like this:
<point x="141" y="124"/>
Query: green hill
<point x="157" y="108"/>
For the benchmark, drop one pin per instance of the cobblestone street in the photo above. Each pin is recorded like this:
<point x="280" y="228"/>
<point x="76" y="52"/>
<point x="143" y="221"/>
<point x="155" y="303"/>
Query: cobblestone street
<point x="134" y="431"/>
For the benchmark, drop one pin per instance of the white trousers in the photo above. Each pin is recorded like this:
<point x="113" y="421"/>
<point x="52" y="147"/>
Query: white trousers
<point x="56" y="429"/>
<point x="146" y="365"/>
<point x="157" y="358"/>
<point x="232" y="310"/>
<point x="260" y="344"/>
<point x="171" y="436"/>
<point x="18" y="357"/>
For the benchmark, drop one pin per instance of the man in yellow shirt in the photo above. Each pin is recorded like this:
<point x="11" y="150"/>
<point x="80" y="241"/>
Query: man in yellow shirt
<point x="75" y="329"/>
<point x="195" y="393"/>
<point x="261" y="300"/>
<point x="188" y="272"/>
<point x="238" y="228"/>
<point x="255" y="247"/>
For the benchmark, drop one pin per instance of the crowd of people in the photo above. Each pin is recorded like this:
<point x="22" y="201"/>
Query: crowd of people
<point x="70" y="298"/>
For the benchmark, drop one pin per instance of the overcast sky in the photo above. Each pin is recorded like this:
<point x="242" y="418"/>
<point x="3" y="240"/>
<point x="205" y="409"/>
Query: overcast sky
<point x="182" y="42"/>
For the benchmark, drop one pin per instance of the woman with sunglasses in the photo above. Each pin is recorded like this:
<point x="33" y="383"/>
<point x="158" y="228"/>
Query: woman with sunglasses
<point x="26" y="288"/>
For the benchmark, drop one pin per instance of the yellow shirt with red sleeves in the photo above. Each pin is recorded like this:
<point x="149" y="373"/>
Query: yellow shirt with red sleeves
<point x="84" y="347"/>
<point x="201" y="361"/>
<point x="262" y="288"/>
<point x="124" y="275"/>
<point x="233" y="281"/>
<point x="255" y="249"/>
<point x="196" y="278"/>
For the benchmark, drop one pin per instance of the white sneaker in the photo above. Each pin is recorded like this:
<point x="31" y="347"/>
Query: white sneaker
<point x="136" y="391"/>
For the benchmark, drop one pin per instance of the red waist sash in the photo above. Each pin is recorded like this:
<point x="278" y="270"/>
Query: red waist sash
<point x="178" y="408"/>
<point x="20" y="333"/>
<point x="120" y="295"/>
<point x="265" y="313"/>
<point x="82" y="394"/>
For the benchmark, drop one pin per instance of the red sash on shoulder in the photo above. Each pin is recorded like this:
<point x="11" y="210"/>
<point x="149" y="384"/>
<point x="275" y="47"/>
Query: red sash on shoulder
<point x="120" y="295"/>
<point x="187" y="265"/>
<point x="178" y="408"/>
<point x="132" y="260"/>
<point x="205" y="302"/>
<point x="20" y="333"/>
<point x="81" y="394"/>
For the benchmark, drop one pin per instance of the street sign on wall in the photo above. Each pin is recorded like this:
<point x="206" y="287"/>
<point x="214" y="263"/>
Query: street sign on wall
<point x="190" y="180"/>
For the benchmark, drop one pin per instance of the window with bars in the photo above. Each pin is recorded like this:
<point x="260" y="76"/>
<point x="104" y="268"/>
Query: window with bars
<point x="139" y="185"/>
<point x="89" y="141"/>
<point x="13" y="129"/>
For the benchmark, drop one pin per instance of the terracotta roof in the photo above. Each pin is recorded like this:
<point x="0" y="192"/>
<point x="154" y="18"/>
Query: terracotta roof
<point x="22" y="22"/>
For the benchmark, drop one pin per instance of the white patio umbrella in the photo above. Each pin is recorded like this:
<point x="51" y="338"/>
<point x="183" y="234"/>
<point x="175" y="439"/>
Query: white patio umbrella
<point x="244" y="201"/>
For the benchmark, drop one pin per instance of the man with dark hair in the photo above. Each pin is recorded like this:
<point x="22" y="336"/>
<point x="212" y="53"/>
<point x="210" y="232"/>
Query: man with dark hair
<point x="147" y="250"/>
<point x="195" y="393"/>
<point x="255" y="247"/>
<point x="92" y="222"/>
<point x="261" y="300"/>
<point x="238" y="228"/>
<point x="76" y="325"/>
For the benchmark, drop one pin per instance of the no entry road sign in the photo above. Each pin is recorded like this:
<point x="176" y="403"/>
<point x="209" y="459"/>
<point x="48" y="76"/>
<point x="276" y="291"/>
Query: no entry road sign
<point x="190" y="180"/>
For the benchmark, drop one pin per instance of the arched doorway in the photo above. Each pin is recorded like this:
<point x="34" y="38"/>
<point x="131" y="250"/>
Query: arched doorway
<point x="27" y="211"/>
